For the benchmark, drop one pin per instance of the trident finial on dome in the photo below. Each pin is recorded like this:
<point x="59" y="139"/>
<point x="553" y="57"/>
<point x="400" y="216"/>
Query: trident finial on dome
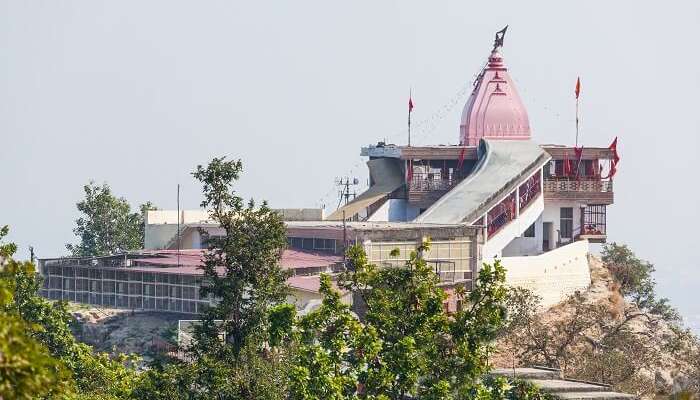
<point x="498" y="42"/>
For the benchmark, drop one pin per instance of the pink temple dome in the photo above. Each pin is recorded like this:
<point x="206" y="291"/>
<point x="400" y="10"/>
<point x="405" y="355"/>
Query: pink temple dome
<point x="494" y="109"/>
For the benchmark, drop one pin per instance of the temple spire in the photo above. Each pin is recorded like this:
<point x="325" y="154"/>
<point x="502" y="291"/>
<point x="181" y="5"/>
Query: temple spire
<point x="498" y="41"/>
<point x="494" y="109"/>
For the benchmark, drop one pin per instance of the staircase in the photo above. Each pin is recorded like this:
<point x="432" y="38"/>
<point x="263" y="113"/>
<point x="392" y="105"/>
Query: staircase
<point x="551" y="381"/>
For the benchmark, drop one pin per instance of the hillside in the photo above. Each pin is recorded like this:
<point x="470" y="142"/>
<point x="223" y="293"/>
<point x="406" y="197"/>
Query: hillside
<point x="630" y="342"/>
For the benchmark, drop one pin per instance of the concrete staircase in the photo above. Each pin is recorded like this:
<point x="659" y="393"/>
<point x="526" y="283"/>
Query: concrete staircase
<point x="551" y="381"/>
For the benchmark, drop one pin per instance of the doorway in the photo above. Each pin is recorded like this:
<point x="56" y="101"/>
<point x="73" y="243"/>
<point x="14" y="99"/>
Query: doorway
<point x="546" y="236"/>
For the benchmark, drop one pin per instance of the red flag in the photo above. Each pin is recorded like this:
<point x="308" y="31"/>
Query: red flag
<point x="461" y="161"/>
<point x="578" y="87"/>
<point x="567" y="165"/>
<point x="615" y="159"/>
<point x="613" y="148"/>
<point x="410" y="104"/>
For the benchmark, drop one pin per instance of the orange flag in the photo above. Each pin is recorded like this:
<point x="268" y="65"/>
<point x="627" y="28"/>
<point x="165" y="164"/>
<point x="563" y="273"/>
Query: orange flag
<point x="578" y="87"/>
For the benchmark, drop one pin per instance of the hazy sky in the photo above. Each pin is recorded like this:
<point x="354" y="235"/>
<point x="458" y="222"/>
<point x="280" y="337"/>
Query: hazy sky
<point x="137" y="93"/>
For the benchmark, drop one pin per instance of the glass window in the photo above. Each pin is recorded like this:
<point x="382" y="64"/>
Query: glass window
<point x="149" y="290"/>
<point x="176" y="305"/>
<point x="149" y="303"/>
<point x="108" y="300"/>
<point x="121" y="288"/>
<point x="136" y="302"/>
<point x="188" y="293"/>
<point x="566" y="222"/>
<point x="122" y="276"/>
<point x="81" y="284"/>
<point x="135" y="288"/>
<point x="188" y="307"/>
<point x="108" y="286"/>
<point x="187" y="279"/>
<point x="123" y="301"/>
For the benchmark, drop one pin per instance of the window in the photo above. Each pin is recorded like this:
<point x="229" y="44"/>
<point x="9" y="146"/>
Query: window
<point x="566" y="222"/>
<point x="295" y="242"/>
<point x="594" y="220"/>
<point x="530" y="232"/>
<point x="308" y="244"/>
<point x="121" y="288"/>
<point x="109" y="287"/>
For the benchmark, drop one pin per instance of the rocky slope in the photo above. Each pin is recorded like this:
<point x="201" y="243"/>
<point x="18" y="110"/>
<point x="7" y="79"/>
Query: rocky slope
<point x="123" y="331"/>
<point x="672" y="369"/>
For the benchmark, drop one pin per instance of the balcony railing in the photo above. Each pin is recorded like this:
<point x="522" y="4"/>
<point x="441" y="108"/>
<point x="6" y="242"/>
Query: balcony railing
<point x="554" y="185"/>
<point x="529" y="190"/>
<point x="428" y="182"/>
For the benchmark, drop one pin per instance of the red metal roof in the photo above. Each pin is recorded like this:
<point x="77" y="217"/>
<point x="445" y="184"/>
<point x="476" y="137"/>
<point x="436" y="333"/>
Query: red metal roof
<point x="309" y="283"/>
<point x="190" y="261"/>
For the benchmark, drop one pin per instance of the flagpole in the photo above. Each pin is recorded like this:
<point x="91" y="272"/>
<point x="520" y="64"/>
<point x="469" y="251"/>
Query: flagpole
<point x="576" y="122"/>
<point x="577" y="92"/>
<point x="409" y="115"/>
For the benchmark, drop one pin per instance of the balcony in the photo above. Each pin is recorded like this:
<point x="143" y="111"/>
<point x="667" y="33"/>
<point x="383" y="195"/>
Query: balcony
<point x="425" y="188"/>
<point x="596" y="191"/>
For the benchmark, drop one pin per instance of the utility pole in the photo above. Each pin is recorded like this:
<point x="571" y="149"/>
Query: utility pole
<point x="344" y="192"/>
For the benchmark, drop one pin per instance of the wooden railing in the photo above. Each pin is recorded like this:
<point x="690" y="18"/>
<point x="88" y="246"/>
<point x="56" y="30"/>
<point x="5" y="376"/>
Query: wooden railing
<point x="554" y="185"/>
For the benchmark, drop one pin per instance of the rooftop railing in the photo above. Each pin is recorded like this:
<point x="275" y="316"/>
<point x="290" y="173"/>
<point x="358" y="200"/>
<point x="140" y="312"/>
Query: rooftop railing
<point x="587" y="185"/>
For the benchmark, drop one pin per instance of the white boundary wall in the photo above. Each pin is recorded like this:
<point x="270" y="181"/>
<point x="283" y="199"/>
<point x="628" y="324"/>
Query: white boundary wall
<point x="553" y="275"/>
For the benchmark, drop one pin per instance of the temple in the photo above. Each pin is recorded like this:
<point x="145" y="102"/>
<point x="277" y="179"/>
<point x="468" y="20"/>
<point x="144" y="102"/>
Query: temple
<point x="496" y="194"/>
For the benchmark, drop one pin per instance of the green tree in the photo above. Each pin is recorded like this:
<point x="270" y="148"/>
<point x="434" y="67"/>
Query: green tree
<point x="107" y="225"/>
<point x="237" y="346"/>
<point x="96" y="374"/>
<point x="637" y="283"/>
<point x="335" y="351"/>
<point x="27" y="371"/>
<point x="241" y="267"/>
<point x="408" y="345"/>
